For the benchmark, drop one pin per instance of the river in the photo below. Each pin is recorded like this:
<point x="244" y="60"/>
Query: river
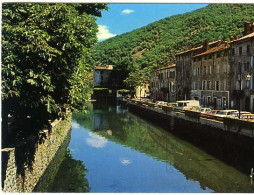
<point x="112" y="150"/>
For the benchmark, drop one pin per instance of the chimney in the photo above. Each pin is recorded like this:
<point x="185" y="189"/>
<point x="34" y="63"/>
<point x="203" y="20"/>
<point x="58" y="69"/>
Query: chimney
<point x="248" y="28"/>
<point x="231" y="38"/>
<point x="206" y="45"/>
<point x="218" y="43"/>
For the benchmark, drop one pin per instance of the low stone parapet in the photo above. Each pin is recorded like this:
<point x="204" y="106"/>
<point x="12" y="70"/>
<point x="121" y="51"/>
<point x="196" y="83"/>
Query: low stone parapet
<point x="14" y="181"/>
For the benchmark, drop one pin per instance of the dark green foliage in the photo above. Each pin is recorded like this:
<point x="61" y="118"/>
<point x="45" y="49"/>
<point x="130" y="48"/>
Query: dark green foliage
<point x="46" y="60"/>
<point x="71" y="176"/>
<point x="157" y="44"/>
<point x="46" y="68"/>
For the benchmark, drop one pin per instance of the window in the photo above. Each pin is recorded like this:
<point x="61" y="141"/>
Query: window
<point x="239" y="67"/>
<point x="208" y="100"/>
<point x="198" y="71"/>
<point x="219" y="102"/>
<point x="233" y="51"/>
<point x="204" y="85"/>
<point x="225" y="68"/>
<point x="204" y="101"/>
<point x="217" y="85"/>
<point x="240" y="50"/>
<point x="224" y="102"/>
<point x="204" y="72"/>
<point x="225" y="85"/>
<point x="218" y="55"/>
<point x="218" y="69"/>
<point x="247" y="66"/>
<point x="210" y="56"/>
<point x="248" y="49"/>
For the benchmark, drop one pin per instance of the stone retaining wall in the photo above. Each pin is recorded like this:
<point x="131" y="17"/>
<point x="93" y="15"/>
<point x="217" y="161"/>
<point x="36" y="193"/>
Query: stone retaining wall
<point x="45" y="152"/>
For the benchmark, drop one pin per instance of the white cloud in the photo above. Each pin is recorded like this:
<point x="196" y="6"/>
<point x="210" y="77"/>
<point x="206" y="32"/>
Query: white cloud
<point x="104" y="33"/>
<point x="74" y="125"/>
<point x="127" y="11"/>
<point x="96" y="141"/>
<point x="125" y="161"/>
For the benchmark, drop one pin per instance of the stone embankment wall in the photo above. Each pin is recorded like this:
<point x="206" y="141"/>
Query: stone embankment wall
<point x="216" y="138"/>
<point x="45" y="152"/>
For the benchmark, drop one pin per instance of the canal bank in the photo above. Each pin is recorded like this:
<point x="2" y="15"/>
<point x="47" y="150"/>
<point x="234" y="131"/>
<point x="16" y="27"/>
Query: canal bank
<point x="123" y="152"/>
<point x="232" y="148"/>
<point x="19" y="175"/>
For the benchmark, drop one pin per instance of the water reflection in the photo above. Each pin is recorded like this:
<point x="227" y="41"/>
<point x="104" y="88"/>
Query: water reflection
<point x="153" y="159"/>
<point x="96" y="141"/>
<point x="71" y="176"/>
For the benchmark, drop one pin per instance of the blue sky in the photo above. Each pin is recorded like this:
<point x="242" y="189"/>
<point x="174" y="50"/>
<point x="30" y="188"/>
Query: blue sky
<point x="121" y="18"/>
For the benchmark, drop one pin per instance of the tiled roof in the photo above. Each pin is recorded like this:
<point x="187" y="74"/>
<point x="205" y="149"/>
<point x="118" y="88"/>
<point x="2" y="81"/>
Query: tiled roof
<point x="166" y="67"/>
<point x="109" y="67"/>
<point x="251" y="35"/>
<point x="195" y="48"/>
<point x="221" y="47"/>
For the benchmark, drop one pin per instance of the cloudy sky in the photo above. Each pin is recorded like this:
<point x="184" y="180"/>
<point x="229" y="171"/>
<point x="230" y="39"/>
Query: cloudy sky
<point x="121" y="18"/>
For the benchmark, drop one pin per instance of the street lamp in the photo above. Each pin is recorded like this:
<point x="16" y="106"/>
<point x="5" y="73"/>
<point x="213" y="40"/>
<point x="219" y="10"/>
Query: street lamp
<point x="248" y="77"/>
<point x="240" y="91"/>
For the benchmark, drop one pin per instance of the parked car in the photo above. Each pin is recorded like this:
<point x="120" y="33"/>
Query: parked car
<point x="213" y="112"/>
<point x="236" y="115"/>
<point x="172" y="104"/>
<point x="225" y="113"/>
<point x="160" y="103"/>
<point x="187" y="104"/>
<point x="205" y="110"/>
<point x="249" y="117"/>
<point x="145" y="100"/>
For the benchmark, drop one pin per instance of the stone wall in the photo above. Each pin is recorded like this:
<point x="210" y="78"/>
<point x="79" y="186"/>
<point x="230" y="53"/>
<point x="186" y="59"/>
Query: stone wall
<point x="45" y="152"/>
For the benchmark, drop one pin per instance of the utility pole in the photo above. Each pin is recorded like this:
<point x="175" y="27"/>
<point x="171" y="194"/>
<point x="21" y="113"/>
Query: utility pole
<point x="240" y="91"/>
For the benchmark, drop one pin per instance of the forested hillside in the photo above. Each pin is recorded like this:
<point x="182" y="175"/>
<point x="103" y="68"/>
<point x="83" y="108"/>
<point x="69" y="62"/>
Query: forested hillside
<point x="136" y="53"/>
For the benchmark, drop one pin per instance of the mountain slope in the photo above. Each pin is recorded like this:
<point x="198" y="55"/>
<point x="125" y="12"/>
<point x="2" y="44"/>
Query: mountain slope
<point x="156" y="44"/>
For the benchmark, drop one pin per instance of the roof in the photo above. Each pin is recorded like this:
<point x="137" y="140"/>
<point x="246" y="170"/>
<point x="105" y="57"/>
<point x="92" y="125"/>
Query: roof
<point x="221" y="47"/>
<point x="166" y="67"/>
<point x="109" y="67"/>
<point x="251" y="35"/>
<point x="196" y="48"/>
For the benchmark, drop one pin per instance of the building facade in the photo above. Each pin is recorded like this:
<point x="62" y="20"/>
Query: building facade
<point x="101" y="75"/>
<point x="162" y="84"/>
<point x="242" y="66"/>
<point x="143" y="91"/>
<point x="211" y="76"/>
<point x="184" y="63"/>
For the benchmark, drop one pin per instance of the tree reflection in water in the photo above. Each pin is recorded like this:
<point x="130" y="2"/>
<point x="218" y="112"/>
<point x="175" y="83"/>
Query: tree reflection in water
<point x="71" y="176"/>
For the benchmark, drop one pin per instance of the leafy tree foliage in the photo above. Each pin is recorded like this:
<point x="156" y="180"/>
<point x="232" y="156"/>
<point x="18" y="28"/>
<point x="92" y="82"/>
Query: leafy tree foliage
<point x="46" y="59"/>
<point x="157" y="44"/>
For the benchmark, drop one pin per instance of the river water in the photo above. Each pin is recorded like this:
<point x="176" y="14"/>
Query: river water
<point x="112" y="150"/>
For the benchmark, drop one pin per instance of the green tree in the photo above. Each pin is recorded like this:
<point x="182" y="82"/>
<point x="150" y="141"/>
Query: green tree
<point x="136" y="78"/>
<point x="46" y="60"/>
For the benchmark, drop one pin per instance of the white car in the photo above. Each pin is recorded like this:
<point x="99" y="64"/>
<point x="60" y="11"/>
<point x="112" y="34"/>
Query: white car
<point x="205" y="110"/>
<point x="160" y="103"/>
<point x="236" y="114"/>
<point x="226" y="113"/>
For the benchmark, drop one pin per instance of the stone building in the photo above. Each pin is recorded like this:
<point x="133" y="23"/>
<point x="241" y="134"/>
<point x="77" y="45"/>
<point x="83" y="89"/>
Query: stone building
<point x="211" y="76"/>
<point x="143" y="91"/>
<point x="184" y="64"/>
<point x="242" y="65"/>
<point x="162" y="84"/>
<point x="101" y="75"/>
